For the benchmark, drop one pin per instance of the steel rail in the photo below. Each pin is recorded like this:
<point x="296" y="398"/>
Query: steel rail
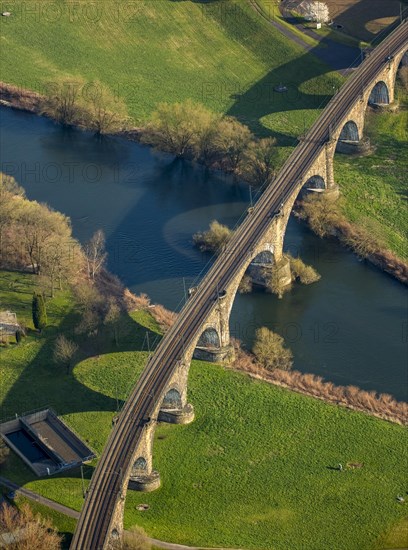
<point x="108" y="480"/>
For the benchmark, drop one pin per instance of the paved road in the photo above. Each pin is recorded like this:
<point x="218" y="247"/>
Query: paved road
<point x="107" y="489"/>
<point x="75" y="514"/>
<point x="338" y="56"/>
<point x="39" y="499"/>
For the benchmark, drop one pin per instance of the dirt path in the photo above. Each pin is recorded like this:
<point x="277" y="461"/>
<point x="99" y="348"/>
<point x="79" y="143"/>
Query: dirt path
<point x="74" y="514"/>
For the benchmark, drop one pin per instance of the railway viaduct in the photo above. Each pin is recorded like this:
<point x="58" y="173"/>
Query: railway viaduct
<point x="202" y="326"/>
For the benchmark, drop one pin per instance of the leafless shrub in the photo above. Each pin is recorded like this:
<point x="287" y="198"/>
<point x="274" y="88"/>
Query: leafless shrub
<point x="65" y="351"/>
<point x="135" y="302"/>
<point x="270" y="351"/>
<point x="163" y="316"/>
<point x="214" y="239"/>
<point x="136" y="539"/>
<point x="382" y="405"/>
<point x="321" y="213"/>
<point x="19" y="98"/>
<point x="31" y="531"/>
<point x="306" y="274"/>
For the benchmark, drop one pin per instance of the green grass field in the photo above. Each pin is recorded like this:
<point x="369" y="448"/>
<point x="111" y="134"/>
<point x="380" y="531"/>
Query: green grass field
<point x="374" y="188"/>
<point x="254" y="470"/>
<point x="222" y="54"/>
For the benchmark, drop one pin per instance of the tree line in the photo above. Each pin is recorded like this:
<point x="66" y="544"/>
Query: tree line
<point x="91" y="105"/>
<point x="186" y="129"/>
<point x="192" y="131"/>
<point x="36" y="238"/>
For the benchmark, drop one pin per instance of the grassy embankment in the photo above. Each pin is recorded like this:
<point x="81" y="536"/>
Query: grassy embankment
<point x="222" y="54"/>
<point x="271" y="10"/>
<point x="255" y="470"/>
<point x="374" y="188"/>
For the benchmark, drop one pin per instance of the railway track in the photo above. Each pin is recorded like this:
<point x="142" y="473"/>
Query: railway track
<point x="108" y="481"/>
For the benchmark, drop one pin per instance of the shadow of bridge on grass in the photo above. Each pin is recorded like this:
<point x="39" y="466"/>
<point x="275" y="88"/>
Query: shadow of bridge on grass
<point x="43" y="383"/>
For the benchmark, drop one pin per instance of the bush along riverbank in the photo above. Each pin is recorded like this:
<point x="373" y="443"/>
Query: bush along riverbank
<point x="382" y="406"/>
<point x="325" y="217"/>
<point x="193" y="132"/>
<point x="103" y="304"/>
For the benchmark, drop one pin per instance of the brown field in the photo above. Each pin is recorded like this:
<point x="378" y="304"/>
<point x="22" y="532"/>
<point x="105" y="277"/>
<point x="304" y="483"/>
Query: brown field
<point x="364" y="19"/>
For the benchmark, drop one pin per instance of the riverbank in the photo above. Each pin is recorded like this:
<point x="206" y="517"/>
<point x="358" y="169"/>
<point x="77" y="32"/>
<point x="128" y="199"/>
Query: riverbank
<point x="382" y="257"/>
<point x="283" y="436"/>
<point x="375" y="404"/>
<point x="326" y="220"/>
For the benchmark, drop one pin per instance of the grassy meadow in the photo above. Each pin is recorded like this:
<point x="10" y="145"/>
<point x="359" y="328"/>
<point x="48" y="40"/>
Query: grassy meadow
<point x="374" y="188"/>
<point x="222" y="54"/>
<point x="256" y="469"/>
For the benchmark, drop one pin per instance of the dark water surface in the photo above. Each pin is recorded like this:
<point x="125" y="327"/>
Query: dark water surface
<point x="350" y="327"/>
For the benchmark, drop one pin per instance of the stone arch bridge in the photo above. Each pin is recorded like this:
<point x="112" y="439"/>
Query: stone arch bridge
<point x="161" y="392"/>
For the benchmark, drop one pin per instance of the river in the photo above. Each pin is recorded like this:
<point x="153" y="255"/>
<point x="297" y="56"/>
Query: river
<point x="350" y="327"/>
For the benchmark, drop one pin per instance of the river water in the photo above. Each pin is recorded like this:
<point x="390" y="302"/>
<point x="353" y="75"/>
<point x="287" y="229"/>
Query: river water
<point x="350" y="327"/>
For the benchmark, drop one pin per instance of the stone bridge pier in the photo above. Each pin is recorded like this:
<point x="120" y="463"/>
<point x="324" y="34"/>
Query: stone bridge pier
<point x="345" y="135"/>
<point x="172" y="407"/>
<point x="213" y="340"/>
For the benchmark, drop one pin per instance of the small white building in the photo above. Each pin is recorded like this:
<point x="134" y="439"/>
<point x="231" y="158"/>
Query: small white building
<point x="8" y="324"/>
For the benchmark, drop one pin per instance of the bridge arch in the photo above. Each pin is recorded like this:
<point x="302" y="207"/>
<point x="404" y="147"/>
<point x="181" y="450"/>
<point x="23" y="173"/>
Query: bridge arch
<point x="172" y="400"/>
<point x="315" y="183"/>
<point x="350" y="132"/>
<point x="380" y="94"/>
<point x="209" y="339"/>
<point x="139" y="466"/>
<point x="266" y="257"/>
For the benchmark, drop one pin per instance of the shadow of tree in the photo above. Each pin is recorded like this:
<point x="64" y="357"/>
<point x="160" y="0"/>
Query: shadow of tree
<point x="46" y="384"/>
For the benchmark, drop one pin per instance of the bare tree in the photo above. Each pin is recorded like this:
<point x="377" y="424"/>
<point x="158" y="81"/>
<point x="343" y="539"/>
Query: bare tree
<point x="106" y="112"/>
<point x="232" y="140"/>
<point x="270" y="351"/>
<point x="180" y="128"/>
<point x="65" y="351"/>
<point x="95" y="253"/>
<point x="261" y="160"/>
<point x="61" y="260"/>
<point x="28" y="531"/>
<point x="112" y="318"/>
<point x="39" y="226"/>
<point x="92" y="307"/>
<point x="64" y="101"/>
